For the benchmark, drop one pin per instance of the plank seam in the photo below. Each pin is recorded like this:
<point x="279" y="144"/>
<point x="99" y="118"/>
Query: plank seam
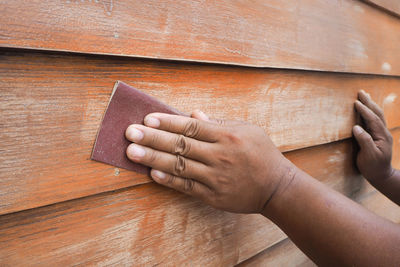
<point x="183" y="61"/>
<point x="381" y="8"/>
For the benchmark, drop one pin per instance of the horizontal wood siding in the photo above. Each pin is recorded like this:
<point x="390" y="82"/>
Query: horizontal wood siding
<point x="292" y="67"/>
<point x="150" y="224"/>
<point x="393" y="6"/>
<point x="343" y="36"/>
<point x="51" y="107"/>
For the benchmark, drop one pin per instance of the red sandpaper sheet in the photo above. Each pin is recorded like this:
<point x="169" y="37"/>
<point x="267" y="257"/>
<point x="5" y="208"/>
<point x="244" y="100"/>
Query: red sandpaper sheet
<point x="127" y="106"/>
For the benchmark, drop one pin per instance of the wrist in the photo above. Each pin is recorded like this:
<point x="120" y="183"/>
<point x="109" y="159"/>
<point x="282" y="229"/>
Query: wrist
<point x="382" y="180"/>
<point x="287" y="177"/>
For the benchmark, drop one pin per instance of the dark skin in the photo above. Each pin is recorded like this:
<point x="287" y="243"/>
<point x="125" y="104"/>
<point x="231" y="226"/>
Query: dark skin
<point x="235" y="167"/>
<point x="375" y="141"/>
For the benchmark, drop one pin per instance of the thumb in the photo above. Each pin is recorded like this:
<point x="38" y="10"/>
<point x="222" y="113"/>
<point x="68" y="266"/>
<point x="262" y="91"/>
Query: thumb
<point x="363" y="138"/>
<point x="200" y="115"/>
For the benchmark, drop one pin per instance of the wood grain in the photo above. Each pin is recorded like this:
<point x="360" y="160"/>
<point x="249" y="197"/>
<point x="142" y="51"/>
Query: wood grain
<point x="343" y="36"/>
<point x="283" y="254"/>
<point x="393" y="6"/>
<point x="149" y="224"/>
<point x="51" y="107"/>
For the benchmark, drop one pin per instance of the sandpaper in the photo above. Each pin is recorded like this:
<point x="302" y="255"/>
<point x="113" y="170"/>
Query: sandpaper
<point x="127" y="106"/>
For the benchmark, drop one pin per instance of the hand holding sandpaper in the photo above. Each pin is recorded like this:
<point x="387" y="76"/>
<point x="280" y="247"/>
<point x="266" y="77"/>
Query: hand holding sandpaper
<point x="234" y="166"/>
<point x="127" y="106"/>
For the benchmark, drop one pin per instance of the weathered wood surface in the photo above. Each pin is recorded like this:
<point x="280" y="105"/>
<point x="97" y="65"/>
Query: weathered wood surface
<point x="343" y="36"/>
<point x="283" y="254"/>
<point x="393" y="6"/>
<point x="51" y="107"/>
<point x="150" y="224"/>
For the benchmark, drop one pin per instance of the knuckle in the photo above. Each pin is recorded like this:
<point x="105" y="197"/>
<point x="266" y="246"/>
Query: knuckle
<point x="152" y="156"/>
<point x="390" y="137"/>
<point x="224" y="159"/>
<point x="180" y="166"/>
<point x="181" y="147"/>
<point x="168" y="124"/>
<point x="188" y="185"/>
<point x="364" y="136"/>
<point x="220" y="122"/>
<point x="379" y="110"/>
<point x="192" y="128"/>
<point x="375" y="119"/>
<point x="232" y="137"/>
<point x="154" y="139"/>
<point x="171" y="179"/>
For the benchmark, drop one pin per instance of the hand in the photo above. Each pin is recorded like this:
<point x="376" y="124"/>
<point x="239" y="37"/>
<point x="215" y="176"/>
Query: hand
<point x="374" y="139"/>
<point x="232" y="166"/>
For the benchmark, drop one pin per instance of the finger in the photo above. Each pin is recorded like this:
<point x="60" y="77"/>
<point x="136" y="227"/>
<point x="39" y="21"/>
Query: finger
<point x="194" y="128"/>
<point x="200" y="115"/>
<point x="187" y="186"/>
<point x="373" y="123"/>
<point x="173" y="164"/>
<point x="366" y="100"/>
<point x="363" y="138"/>
<point x="169" y="142"/>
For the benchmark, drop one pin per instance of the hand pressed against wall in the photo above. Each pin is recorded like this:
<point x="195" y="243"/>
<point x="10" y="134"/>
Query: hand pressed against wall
<point x="232" y="166"/>
<point x="374" y="139"/>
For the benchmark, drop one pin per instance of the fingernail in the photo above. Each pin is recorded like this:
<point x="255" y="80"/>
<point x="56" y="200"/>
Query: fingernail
<point x="135" y="151"/>
<point x="367" y="94"/>
<point x="158" y="174"/>
<point x="202" y="115"/>
<point x="357" y="130"/>
<point x="134" y="134"/>
<point x="152" y="122"/>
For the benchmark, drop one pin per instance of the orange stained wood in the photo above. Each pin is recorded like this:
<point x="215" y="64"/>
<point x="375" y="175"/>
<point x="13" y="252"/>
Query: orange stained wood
<point x="151" y="224"/>
<point x="51" y="107"/>
<point x="283" y="253"/>
<point x="392" y="6"/>
<point x="341" y="36"/>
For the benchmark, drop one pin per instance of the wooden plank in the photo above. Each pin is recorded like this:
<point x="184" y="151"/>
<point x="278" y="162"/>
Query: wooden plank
<point x="393" y="6"/>
<point x="343" y="36"/>
<point x="150" y="224"/>
<point x="51" y="107"/>
<point x="285" y="253"/>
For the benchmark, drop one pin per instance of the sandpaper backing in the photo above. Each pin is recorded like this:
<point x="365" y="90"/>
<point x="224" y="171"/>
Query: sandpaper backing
<point x="127" y="106"/>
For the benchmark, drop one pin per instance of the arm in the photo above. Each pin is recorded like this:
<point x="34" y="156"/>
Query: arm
<point x="332" y="229"/>
<point x="235" y="167"/>
<point x="375" y="155"/>
<point x="390" y="186"/>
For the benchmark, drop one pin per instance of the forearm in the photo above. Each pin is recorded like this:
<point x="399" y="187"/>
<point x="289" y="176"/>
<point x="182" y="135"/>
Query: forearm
<point x="390" y="186"/>
<point x="330" y="228"/>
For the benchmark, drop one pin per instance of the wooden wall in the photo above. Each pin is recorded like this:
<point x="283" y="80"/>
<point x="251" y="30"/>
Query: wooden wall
<point x="293" y="68"/>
